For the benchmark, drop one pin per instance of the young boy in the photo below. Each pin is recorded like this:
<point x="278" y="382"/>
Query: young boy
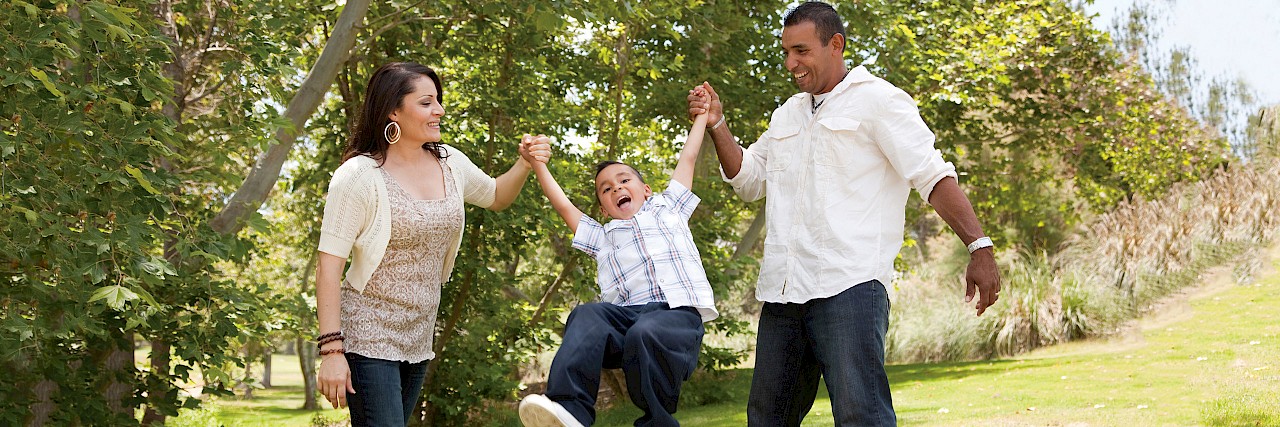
<point x="654" y="290"/>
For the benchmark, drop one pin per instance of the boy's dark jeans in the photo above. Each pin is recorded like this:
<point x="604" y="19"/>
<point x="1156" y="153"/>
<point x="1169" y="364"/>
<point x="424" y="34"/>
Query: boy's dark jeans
<point x="656" y="347"/>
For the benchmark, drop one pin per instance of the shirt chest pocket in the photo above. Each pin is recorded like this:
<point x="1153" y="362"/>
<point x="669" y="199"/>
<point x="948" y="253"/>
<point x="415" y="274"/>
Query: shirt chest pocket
<point x="625" y="243"/>
<point x="837" y="141"/>
<point x="782" y="147"/>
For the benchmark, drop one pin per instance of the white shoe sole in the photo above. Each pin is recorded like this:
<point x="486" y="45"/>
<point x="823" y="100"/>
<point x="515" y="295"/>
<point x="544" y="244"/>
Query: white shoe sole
<point x="538" y="411"/>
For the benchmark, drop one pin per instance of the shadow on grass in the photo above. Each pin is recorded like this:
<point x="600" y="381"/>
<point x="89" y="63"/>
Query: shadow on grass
<point x="275" y="406"/>
<point x="950" y="371"/>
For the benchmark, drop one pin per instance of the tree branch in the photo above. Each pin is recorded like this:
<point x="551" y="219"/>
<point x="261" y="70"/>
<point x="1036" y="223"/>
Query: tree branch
<point x="551" y="290"/>
<point x="374" y="36"/>
<point x="257" y="186"/>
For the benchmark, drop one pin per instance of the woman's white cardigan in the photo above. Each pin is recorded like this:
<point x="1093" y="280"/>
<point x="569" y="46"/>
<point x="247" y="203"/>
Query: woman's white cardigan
<point x="357" y="212"/>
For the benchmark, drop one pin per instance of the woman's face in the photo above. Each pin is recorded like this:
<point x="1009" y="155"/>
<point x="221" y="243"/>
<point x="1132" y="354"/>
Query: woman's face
<point x="419" y="113"/>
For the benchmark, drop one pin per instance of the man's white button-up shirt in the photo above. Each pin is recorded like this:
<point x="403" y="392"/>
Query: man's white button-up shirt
<point x="836" y="183"/>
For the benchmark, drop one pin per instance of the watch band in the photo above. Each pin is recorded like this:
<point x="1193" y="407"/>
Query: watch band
<point x="981" y="242"/>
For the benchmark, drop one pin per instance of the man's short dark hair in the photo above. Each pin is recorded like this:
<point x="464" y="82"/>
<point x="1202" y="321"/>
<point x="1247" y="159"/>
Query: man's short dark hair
<point x="823" y="17"/>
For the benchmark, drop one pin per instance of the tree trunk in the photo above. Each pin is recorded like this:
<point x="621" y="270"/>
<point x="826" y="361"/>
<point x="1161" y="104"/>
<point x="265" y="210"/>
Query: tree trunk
<point x="623" y="52"/>
<point x="250" y="351"/>
<point x="306" y="354"/>
<point x="257" y="186"/>
<point x="307" y="358"/>
<point x="616" y="382"/>
<point x="266" y="366"/>
<point x="115" y="355"/>
<point x="749" y="304"/>
<point x="159" y="360"/>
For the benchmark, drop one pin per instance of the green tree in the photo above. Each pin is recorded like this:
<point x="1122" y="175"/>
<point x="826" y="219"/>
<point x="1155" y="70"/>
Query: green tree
<point x="1035" y="107"/>
<point x="138" y="156"/>
<point x="83" y="208"/>
<point x="1220" y="102"/>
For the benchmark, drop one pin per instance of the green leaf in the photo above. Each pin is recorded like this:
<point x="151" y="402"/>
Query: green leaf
<point x="115" y="295"/>
<point x="546" y="21"/>
<point x="31" y="9"/>
<point x="44" y="79"/>
<point x="147" y="297"/>
<point x="30" y="214"/>
<point x="158" y="267"/>
<point x="142" y="180"/>
<point x="118" y="32"/>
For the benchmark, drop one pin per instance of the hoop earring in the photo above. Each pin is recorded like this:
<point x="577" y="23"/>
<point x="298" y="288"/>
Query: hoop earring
<point x="392" y="135"/>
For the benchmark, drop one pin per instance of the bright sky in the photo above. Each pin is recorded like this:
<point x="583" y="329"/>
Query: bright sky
<point x="1227" y="37"/>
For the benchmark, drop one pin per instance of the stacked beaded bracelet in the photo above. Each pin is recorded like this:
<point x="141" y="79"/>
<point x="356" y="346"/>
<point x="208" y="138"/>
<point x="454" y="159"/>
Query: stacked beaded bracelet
<point x="329" y="337"/>
<point x="338" y="350"/>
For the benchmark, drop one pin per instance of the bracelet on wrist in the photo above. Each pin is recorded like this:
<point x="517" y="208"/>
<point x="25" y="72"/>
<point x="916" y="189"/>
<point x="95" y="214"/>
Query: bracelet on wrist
<point x="719" y="123"/>
<point x="331" y="334"/>
<point x="329" y="340"/>
<point x="979" y="243"/>
<point x="338" y="350"/>
<point x="330" y="337"/>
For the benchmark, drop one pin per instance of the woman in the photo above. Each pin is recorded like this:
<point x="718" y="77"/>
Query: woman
<point x="394" y="206"/>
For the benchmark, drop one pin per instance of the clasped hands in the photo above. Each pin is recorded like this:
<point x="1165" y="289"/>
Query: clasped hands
<point x="535" y="149"/>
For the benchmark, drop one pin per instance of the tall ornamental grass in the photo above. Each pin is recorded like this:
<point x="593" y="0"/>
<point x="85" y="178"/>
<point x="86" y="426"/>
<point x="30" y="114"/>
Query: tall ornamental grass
<point x="1110" y="271"/>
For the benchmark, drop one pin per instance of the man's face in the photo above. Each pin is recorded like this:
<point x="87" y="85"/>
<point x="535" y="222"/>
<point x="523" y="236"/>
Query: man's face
<point x="620" y="191"/>
<point x="815" y="68"/>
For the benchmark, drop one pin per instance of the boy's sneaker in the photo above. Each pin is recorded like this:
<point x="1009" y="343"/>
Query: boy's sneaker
<point x="537" y="410"/>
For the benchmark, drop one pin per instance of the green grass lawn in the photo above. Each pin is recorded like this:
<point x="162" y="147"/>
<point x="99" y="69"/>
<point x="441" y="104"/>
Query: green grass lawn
<point x="278" y="406"/>
<point x="1207" y="359"/>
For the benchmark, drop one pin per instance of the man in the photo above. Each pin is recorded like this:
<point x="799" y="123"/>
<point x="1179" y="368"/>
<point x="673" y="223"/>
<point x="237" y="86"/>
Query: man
<point x="836" y="166"/>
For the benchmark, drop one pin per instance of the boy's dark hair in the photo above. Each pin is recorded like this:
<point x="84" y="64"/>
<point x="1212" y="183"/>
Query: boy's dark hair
<point x="600" y="168"/>
<point x="822" y="15"/>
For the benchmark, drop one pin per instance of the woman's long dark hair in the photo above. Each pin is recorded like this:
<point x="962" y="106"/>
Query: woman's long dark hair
<point x="384" y="94"/>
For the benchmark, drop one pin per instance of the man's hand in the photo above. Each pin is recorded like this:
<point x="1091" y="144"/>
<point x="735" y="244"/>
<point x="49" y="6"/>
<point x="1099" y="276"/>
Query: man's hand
<point x="699" y="103"/>
<point x="983" y="278"/>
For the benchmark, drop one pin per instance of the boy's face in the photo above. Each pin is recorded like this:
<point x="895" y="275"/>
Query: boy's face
<point x="620" y="191"/>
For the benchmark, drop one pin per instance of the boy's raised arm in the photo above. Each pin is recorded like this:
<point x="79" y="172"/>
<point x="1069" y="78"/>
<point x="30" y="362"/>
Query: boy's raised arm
<point x="689" y="155"/>
<point x="563" y="206"/>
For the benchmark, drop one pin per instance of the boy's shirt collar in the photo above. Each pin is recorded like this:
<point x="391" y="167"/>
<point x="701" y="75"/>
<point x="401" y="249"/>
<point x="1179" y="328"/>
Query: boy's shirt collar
<point x="652" y="203"/>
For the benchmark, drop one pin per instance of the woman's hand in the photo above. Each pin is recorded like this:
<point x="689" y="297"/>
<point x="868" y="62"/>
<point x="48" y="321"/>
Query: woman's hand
<point x="334" y="379"/>
<point x="535" y="149"/>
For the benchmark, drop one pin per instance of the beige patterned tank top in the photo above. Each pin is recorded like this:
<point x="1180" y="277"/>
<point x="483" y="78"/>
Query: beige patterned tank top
<point x="395" y="317"/>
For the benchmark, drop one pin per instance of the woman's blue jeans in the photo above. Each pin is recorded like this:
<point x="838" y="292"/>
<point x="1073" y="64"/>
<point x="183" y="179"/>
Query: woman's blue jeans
<point x="387" y="391"/>
<point x="840" y="338"/>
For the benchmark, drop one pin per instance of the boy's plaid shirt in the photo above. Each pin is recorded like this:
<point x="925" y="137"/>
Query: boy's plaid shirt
<point x="650" y="257"/>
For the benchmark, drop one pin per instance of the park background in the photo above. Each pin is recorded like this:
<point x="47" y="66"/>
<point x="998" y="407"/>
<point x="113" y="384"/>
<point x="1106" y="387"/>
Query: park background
<point x="164" y="166"/>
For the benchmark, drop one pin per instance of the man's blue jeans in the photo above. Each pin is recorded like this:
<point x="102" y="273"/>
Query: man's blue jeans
<point x="840" y="338"/>
<point x="386" y="390"/>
